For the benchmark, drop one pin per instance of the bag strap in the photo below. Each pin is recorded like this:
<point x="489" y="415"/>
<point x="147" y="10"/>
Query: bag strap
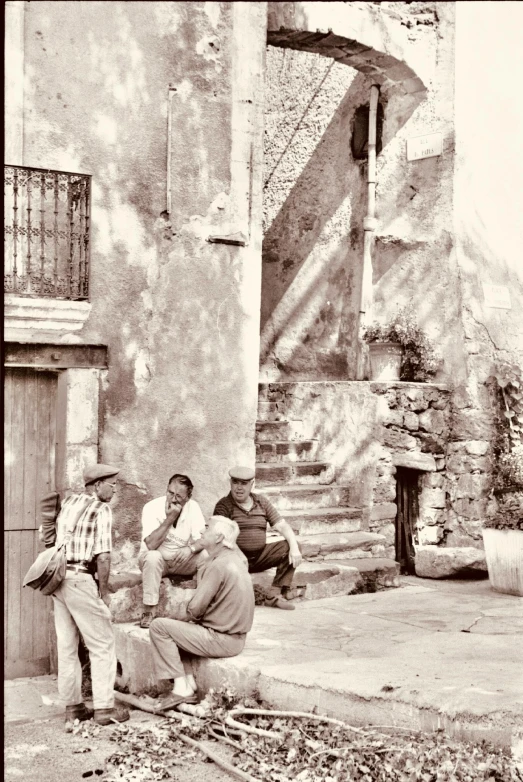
<point x="76" y="518"/>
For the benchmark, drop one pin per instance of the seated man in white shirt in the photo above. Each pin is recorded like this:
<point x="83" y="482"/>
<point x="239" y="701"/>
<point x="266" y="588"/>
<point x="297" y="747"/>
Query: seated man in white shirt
<point x="171" y="530"/>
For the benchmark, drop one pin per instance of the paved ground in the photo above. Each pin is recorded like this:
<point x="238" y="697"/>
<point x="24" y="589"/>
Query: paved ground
<point x="36" y="746"/>
<point x="429" y="654"/>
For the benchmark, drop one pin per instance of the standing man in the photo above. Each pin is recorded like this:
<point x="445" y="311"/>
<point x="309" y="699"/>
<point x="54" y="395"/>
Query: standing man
<point x="219" y="615"/>
<point x="172" y="526"/>
<point x="252" y="512"/>
<point x="80" y="606"/>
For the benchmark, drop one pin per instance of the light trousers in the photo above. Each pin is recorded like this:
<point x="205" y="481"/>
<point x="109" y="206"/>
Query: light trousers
<point x="78" y="608"/>
<point x="169" y="636"/>
<point x="154" y="567"/>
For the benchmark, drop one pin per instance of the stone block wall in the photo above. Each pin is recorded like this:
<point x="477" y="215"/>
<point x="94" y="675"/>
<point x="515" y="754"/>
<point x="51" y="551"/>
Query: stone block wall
<point x="427" y="428"/>
<point x="414" y="433"/>
<point x="367" y="430"/>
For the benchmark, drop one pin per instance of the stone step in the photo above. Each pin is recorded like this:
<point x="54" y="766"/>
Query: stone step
<point x="126" y="598"/>
<point x="294" y="472"/>
<point x="272" y="431"/>
<point x="316" y="580"/>
<point x="314" y="521"/>
<point x="287" y="451"/>
<point x="299" y="496"/>
<point x="270" y="411"/>
<point x="377" y="573"/>
<point x="343" y="545"/>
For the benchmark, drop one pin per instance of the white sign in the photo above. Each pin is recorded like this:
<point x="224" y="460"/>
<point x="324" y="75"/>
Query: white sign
<point x="419" y="147"/>
<point x="497" y="296"/>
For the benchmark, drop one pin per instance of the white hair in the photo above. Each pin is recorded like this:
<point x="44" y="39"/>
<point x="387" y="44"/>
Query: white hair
<point x="226" y="527"/>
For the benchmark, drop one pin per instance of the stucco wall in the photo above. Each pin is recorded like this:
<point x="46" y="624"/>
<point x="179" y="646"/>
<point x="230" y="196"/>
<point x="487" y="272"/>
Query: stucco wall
<point x="315" y="194"/>
<point x="488" y="183"/>
<point x="313" y="202"/>
<point x="180" y="315"/>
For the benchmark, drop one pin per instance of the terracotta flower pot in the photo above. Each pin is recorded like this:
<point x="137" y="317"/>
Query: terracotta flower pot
<point x="504" y="552"/>
<point x="385" y="360"/>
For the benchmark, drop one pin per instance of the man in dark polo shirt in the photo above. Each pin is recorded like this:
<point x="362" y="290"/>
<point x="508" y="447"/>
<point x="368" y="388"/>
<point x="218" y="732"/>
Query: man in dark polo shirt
<point x="252" y="512"/>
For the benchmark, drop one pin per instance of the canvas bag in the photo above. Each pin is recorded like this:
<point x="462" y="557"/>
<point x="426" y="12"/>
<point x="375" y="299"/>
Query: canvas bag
<point x="48" y="570"/>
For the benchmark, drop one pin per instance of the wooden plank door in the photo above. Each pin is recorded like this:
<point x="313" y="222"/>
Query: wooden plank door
<point x="29" y="472"/>
<point x="407" y="493"/>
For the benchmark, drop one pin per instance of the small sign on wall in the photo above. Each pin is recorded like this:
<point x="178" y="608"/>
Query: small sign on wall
<point x="497" y="296"/>
<point x="430" y="145"/>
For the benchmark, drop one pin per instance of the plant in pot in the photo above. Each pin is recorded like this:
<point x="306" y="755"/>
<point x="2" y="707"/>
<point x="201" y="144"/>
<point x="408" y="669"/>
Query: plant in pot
<point x="400" y="350"/>
<point x="503" y="533"/>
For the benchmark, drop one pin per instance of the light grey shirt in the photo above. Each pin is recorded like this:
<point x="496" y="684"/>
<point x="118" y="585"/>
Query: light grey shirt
<point x="224" y="597"/>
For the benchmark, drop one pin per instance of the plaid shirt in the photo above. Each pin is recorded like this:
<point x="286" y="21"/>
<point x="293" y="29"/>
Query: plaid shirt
<point x="92" y="534"/>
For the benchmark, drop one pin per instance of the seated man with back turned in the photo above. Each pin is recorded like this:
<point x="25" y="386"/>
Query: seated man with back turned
<point x="219" y="615"/>
<point x="253" y="512"/>
<point x="172" y="526"/>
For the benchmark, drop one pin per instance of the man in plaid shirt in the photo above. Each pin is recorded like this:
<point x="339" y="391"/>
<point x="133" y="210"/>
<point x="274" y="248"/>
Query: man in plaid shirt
<point x="82" y="606"/>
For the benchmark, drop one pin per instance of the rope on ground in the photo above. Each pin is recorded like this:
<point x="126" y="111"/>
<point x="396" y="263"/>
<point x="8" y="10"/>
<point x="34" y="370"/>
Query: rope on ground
<point x="235" y="772"/>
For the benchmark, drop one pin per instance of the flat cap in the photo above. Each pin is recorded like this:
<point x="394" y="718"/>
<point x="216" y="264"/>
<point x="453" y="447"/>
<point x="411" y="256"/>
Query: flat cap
<point x="242" y="473"/>
<point x="98" y="472"/>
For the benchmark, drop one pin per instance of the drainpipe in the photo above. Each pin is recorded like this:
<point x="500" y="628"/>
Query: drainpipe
<point x="369" y="226"/>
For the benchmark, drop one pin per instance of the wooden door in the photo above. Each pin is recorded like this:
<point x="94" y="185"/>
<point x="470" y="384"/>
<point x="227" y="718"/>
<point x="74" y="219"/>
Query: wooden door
<point x="407" y="498"/>
<point x="29" y="472"/>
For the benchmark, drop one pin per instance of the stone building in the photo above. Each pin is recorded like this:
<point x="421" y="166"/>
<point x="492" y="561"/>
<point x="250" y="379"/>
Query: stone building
<point x="185" y="279"/>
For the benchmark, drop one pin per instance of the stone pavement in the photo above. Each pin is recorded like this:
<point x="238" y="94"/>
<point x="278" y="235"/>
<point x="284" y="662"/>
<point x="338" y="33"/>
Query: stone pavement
<point x="431" y="654"/>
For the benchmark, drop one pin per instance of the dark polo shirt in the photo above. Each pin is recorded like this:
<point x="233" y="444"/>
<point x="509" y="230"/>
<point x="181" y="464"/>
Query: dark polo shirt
<point x="252" y="524"/>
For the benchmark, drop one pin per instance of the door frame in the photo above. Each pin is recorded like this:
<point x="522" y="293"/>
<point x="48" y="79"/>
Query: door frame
<point x="81" y="370"/>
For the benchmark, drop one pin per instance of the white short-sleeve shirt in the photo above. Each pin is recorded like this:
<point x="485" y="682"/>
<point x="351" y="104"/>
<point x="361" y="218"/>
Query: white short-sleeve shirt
<point x="189" y="528"/>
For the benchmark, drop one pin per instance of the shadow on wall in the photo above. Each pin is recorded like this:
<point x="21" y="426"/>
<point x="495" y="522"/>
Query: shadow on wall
<point x="318" y="226"/>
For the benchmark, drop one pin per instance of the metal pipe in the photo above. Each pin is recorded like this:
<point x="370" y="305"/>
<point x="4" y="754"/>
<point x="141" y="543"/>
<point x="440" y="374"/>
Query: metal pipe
<point x="369" y="226"/>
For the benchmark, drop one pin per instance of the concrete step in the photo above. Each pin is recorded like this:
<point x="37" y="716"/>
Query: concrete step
<point x="343" y="545"/>
<point x="314" y="521"/>
<point x="294" y="472"/>
<point x="287" y="451"/>
<point x="299" y="496"/>
<point x="273" y="431"/>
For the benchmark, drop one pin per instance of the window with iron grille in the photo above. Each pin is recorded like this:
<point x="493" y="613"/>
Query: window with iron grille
<point x="46" y="233"/>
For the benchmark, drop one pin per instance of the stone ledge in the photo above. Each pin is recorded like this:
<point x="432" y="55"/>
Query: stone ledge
<point x="415" y="460"/>
<point x="23" y="315"/>
<point x="446" y="562"/>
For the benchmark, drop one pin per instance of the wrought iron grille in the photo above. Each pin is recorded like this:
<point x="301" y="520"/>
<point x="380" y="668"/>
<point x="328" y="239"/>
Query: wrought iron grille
<point x="46" y="232"/>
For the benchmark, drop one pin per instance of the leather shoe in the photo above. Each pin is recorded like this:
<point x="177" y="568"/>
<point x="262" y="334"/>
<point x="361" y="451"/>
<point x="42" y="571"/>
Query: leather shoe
<point x="145" y="621"/>
<point x="78" y="712"/>
<point x="107" y="716"/>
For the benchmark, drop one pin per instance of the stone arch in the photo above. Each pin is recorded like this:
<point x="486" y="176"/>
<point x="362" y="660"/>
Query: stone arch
<point x="375" y="45"/>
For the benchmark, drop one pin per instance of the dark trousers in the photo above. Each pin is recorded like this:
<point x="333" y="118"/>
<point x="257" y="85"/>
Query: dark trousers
<point x="273" y="555"/>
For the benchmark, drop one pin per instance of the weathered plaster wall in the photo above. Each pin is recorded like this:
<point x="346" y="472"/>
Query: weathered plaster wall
<point x="313" y="246"/>
<point x="313" y="201"/>
<point x="180" y="315"/>
<point x="488" y="203"/>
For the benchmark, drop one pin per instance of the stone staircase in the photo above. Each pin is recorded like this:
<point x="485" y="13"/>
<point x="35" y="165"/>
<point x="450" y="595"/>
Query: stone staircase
<point x="339" y="556"/>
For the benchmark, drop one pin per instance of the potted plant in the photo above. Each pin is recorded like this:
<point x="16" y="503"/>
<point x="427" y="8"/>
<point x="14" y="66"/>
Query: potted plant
<point x="400" y="350"/>
<point x="503" y="533"/>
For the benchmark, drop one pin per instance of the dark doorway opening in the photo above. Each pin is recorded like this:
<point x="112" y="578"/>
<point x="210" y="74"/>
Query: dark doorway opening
<point x="407" y="498"/>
